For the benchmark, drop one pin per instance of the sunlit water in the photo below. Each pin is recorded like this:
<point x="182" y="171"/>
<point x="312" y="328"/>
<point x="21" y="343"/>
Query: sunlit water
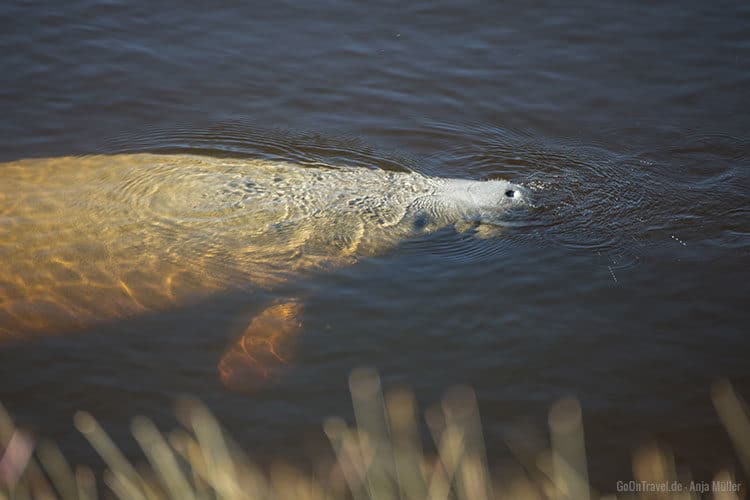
<point x="625" y="283"/>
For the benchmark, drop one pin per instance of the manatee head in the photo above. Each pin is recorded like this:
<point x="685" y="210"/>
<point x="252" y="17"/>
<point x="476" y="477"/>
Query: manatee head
<point x="489" y="199"/>
<point x="483" y="202"/>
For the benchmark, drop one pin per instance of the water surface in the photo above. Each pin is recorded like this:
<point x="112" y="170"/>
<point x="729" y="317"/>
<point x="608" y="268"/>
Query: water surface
<point x="626" y="285"/>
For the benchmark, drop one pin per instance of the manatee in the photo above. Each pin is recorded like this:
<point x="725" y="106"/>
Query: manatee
<point x="96" y="238"/>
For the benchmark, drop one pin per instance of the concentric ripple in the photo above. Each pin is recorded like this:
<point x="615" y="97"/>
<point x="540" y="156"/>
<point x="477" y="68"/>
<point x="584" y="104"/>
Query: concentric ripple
<point x="612" y="204"/>
<point x="589" y="196"/>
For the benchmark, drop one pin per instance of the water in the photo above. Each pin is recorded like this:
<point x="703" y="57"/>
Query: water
<point x="625" y="285"/>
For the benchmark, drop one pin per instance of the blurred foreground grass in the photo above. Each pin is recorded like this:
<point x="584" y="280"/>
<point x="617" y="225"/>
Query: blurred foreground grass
<point x="381" y="457"/>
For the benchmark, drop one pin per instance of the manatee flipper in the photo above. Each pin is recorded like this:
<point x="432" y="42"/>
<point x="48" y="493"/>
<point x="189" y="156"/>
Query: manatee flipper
<point x="479" y="231"/>
<point x="465" y="226"/>
<point x="264" y="348"/>
<point x="488" y="231"/>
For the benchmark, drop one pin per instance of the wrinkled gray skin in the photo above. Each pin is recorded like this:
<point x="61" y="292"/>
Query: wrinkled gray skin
<point x="85" y="239"/>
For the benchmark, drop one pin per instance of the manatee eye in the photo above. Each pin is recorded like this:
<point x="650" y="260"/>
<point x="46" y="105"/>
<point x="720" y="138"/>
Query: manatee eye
<point x="510" y="193"/>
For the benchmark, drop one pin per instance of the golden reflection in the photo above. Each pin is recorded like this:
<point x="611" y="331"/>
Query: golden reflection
<point x="263" y="348"/>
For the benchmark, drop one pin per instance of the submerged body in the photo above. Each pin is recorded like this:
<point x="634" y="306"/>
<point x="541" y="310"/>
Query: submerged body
<point x="87" y="239"/>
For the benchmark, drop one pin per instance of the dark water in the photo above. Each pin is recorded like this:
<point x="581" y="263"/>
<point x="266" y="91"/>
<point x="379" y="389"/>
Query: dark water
<point x="627" y="286"/>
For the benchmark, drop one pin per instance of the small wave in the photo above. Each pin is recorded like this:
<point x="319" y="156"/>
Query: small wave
<point x="615" y="203"/>
<point x="461" y="248"/>
<point x="241" y="139"/>
<point x="587" y="196"/>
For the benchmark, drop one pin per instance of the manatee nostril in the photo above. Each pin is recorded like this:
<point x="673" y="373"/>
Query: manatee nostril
<point x="510" y="193"/>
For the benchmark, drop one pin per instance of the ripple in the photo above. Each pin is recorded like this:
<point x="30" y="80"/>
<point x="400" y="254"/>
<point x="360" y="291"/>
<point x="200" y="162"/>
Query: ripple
<point x="463" y="248"/>
<point x="243" y="140"/>
<point x="612" y="201"/>
<point x="616" y="203"/>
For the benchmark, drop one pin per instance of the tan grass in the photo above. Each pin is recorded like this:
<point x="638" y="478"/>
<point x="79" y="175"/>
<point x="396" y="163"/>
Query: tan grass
<point x="380" y="457"/>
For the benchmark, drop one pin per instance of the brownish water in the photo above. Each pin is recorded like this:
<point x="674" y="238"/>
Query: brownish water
<point x="626" y="284"/>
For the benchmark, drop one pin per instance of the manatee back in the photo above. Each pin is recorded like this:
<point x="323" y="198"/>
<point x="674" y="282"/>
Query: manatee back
<point x="84" y="239"/>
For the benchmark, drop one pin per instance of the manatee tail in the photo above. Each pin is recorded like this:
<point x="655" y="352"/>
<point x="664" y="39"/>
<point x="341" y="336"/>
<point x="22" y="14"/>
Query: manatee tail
<point x="264" y="348"/>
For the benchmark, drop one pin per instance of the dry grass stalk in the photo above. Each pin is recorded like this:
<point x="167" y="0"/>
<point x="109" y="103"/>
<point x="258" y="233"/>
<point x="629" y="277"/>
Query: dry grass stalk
<point x="381" y="457"/>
